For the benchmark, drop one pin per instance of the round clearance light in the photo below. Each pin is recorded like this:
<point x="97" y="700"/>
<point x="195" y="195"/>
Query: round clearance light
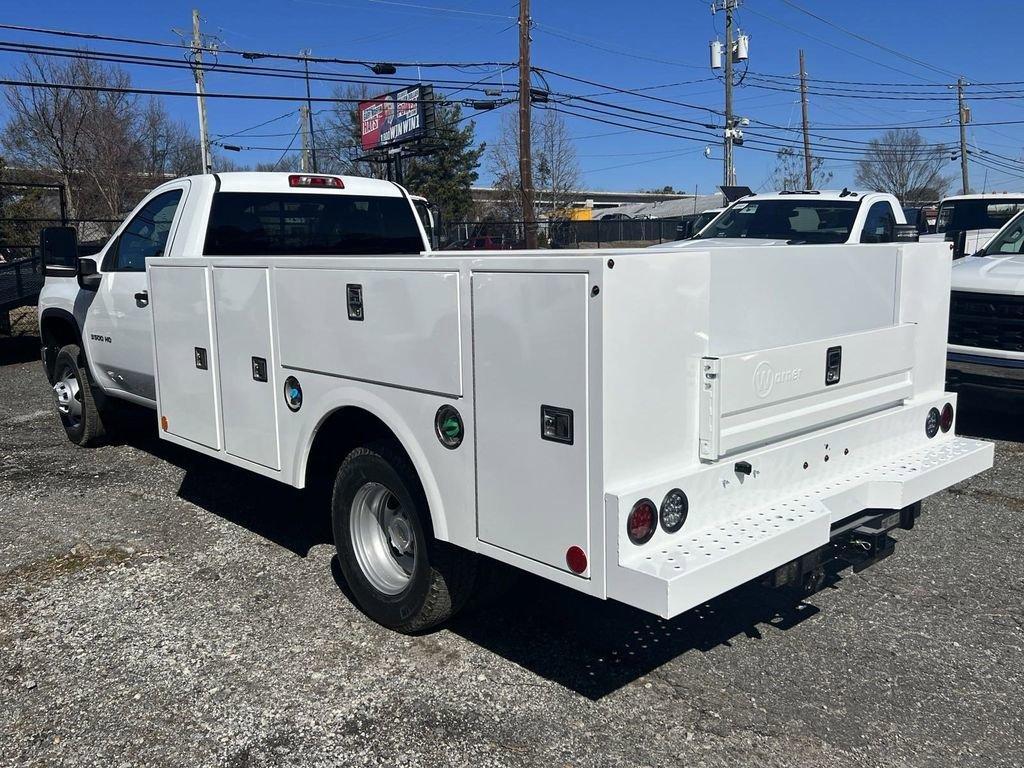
<point x="448" y="427"/>
<point x="674" y="508"/>
<point x="292" y="393"/>
<point x="642" y="521"/>
<point x="576" y="559"/>
<point x="931" y="423"/>
<point x="946" y="419"/>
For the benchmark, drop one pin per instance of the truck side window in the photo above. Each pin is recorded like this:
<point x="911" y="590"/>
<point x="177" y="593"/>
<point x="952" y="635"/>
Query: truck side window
<point x="878" y="227"/>
<point x="146" y="235"/>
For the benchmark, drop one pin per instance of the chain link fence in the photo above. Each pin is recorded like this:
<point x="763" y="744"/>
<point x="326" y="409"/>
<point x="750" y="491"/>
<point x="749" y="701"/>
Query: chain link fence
<point x="601" y="233"/>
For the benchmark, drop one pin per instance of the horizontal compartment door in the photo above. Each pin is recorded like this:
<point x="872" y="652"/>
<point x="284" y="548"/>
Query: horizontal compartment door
<point x="755" y="398"/>
<point x="395" y="327"/>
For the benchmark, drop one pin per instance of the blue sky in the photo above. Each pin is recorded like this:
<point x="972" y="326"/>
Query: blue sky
<point x="665" y="41"/>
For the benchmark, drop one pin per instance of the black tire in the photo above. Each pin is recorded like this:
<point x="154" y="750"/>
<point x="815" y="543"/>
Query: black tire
<point x="82" y="423"/>
<point x="442" y="576"/>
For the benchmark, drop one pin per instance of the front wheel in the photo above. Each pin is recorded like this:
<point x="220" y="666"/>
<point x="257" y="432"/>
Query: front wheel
<point x="73" y="397"/>
<point x="399" y="575"/>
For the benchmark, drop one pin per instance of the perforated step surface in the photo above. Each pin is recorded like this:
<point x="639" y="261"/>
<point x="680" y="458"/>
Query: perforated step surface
<point x="794" y="515"/>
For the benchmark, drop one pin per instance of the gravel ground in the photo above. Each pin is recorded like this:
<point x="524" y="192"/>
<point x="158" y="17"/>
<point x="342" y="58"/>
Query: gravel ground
<point x="159" y="608"/>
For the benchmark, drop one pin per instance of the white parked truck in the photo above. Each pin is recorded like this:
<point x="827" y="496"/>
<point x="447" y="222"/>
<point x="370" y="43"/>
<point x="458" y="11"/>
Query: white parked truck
<point x="975" y="218"/>
<point x="645" y="426"/>
<point x="814" y="217"/>
<point x="986" y="316"/>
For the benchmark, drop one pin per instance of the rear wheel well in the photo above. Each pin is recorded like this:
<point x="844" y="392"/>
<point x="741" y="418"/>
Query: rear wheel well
<point x="341" y="432"/>
<point x="55" y="331"/>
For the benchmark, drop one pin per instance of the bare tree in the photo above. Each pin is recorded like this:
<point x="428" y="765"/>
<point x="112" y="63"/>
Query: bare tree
<point x="788" y="173"/>
<point x="901" y="162"/>
<point x="169" y="147"/>
<point x="105" y="146"/>
<point x="47" y="128"/>
<point x="556" y="168"/>
<point x="338" y="137"/>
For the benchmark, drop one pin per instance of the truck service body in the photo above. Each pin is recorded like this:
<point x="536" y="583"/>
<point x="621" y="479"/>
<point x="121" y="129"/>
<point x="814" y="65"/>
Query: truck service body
<point x="646" y="426"/>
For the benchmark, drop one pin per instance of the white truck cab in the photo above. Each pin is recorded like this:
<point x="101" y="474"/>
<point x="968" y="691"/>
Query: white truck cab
<point x="978" y="216"/>
<point x="801" y="218"/>
<point x="268" y="213"/>
<point x="646" y="426"/>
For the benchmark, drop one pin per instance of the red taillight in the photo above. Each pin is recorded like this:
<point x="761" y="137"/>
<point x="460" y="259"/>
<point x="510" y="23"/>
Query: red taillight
<point x="576" y="559"/>
<point x="946" y="420"/>
<point x="305" y="180"/>
<point x="642" y="521"/>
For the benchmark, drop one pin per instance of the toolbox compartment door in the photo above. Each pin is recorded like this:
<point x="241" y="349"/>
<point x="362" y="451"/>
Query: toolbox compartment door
<point x="184" y="353"/>
<point x="248" y="385"/>
<point x="530" y="353"/>
<point x="752" y="399"/>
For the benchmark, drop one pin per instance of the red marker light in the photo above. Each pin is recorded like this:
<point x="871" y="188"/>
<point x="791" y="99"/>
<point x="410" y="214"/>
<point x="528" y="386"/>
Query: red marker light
<point x="946" y="419"/>
<point x="642" y="521"/>
<point x="576" y="559"/>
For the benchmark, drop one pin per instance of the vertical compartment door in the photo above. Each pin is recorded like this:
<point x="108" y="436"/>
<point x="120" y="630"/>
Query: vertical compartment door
<point x="248" y="387"/>
<point x="530" y="370"/>
<point x="187" y="390"/>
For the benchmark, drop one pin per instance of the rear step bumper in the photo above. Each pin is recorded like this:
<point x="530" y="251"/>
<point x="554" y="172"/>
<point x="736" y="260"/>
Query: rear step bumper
<point x="683" y="571"/>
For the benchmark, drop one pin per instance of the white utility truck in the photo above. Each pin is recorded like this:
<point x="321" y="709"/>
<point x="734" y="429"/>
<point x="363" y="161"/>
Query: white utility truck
<point x="646" y="426"/>
<point x="986" y="316"/>
<point x="974" y="218"/>
<point x="800" y="217"/>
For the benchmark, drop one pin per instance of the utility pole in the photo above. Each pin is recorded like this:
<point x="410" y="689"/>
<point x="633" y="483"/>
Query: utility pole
<point x="304" y="163"/>
<point x="734" y="50"/>
<point x="729" y="174"/>
<point x="197" y="70"/>
<point x="808" y="171"/>
<point x="964" y="114"/>
<point x="525" y="160"/>
<point x="309" y="116"/>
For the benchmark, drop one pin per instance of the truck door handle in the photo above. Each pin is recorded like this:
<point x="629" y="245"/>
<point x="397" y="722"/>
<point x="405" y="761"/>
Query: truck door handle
<point x="142" y="299"/>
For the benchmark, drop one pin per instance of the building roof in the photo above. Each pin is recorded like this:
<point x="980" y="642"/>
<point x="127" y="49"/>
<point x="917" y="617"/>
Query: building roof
<point x="665" y="209"/>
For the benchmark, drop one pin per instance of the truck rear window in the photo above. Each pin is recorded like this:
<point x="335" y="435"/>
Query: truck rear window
<point x="282" y="224"/>
<point x="960" y="215"/>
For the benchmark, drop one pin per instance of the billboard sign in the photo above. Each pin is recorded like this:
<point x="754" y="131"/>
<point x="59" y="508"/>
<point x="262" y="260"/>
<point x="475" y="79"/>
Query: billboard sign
<point x="397" y="117"/>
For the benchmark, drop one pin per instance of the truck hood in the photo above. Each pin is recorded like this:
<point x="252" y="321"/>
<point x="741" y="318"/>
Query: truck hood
<point x="976" y="238"/>
<point x="989" y="274"/>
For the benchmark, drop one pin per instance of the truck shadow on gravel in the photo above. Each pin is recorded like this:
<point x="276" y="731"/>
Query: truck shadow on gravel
<point x="590" y="646"/>
<point x="595" y="647"/>
<point x="273" y="510"/>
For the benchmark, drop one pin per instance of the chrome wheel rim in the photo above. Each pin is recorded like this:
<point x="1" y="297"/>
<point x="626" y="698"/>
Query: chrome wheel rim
<point x="383" y="538"/>
<point x="67" y="396"/>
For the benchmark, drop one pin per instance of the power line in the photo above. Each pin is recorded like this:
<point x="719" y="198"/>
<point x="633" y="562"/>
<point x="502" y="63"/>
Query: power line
<point x="259" y="125"/>
<point x="247" y="54"/>
<point x="227" y="67"/>
<point x="242" y="96"/>
<point x="609" y="48"/>
<point x="891" y="51"/>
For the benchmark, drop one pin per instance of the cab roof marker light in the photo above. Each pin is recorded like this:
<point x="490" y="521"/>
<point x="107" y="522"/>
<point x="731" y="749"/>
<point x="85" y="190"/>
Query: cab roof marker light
<point x="307" y="180"/>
